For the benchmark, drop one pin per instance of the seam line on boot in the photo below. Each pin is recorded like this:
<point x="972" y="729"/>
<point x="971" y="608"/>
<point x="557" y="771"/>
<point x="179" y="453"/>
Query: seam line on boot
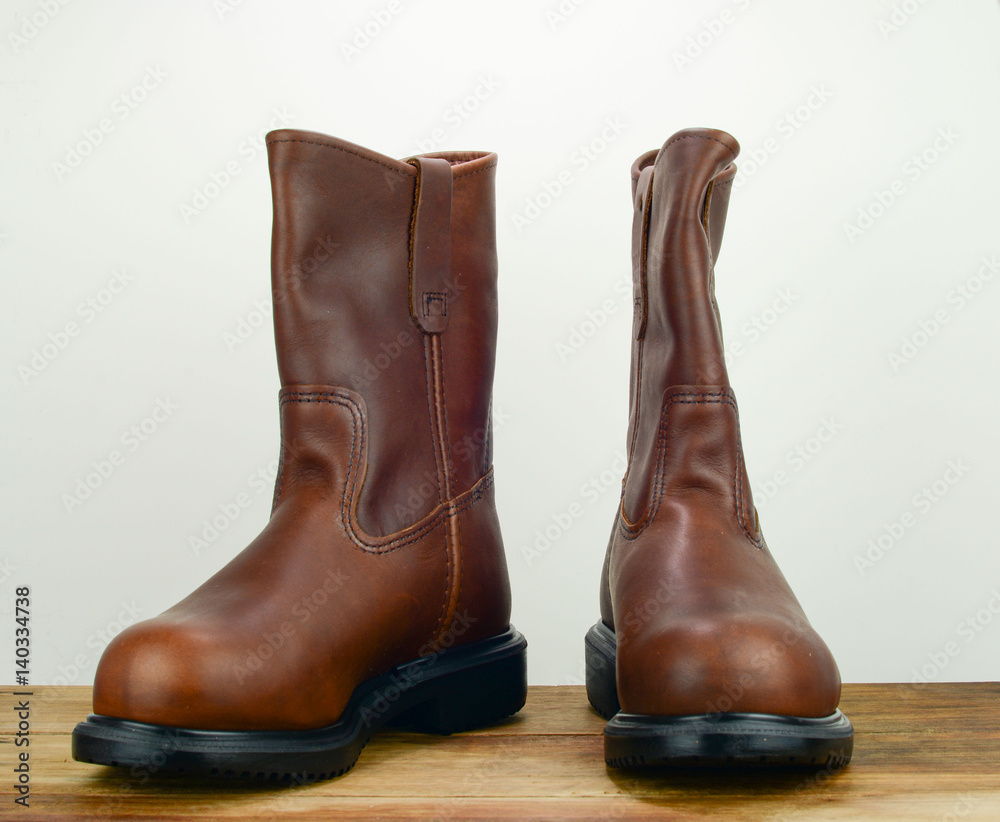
<point x="630" y="531"/>
<point x="700" y="137"/>
<point x="351" y="489"/>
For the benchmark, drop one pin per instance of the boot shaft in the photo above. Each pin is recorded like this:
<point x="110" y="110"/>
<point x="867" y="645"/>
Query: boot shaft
<point x="384" y="283"/>
<point x="680" y="195"/>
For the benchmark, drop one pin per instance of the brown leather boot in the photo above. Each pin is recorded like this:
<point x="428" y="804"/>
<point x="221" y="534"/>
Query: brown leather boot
<point x="703" y="656"/>
<point x="378" y="590"/>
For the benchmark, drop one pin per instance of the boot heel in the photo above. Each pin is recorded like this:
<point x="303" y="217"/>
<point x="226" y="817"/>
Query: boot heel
<point x="602" y="687"/>
<point x="476" y="696"/>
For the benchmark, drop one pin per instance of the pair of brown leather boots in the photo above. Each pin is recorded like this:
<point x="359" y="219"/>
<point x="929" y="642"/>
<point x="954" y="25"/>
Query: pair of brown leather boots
<point x="378" y="591"/>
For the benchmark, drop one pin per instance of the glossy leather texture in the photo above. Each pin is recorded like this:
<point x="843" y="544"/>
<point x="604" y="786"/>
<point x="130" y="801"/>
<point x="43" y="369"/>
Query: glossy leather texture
<point x="704" y="620"/>
<point x="383" y="543"/>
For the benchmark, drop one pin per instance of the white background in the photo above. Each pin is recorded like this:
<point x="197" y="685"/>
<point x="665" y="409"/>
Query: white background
<point x="831" y="103"/>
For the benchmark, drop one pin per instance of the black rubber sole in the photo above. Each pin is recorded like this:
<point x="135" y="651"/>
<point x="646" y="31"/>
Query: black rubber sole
<point x="456" y="690"/>
<point x="707" y="740"/>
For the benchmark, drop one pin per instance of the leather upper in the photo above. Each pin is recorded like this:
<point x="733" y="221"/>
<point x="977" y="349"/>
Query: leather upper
<point x="341" y="282"/>
<point x="383" y="542"/>
<point x="704" y="620"/>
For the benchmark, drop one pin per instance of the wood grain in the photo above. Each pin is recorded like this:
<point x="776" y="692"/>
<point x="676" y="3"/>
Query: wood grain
<point x="929" y="752"/>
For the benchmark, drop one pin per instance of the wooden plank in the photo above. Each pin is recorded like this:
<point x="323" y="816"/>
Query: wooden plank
<point x="928" y="752"/>
<point x="306" y="809"/>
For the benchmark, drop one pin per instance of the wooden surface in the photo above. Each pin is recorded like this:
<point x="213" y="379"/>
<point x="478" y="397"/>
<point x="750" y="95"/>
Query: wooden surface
<point x="927" y="752"/>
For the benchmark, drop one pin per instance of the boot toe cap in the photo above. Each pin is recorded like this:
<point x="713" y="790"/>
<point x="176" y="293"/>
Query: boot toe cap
<point x="160" y="673"/>
<point x="756" y="663"/>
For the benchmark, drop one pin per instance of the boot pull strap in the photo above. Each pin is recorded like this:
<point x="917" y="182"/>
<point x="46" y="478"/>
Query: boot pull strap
<point x="431" y="284"/>
<point x="640" y="237"/>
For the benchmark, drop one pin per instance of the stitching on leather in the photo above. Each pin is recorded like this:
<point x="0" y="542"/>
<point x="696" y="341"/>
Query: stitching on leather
<point x="433" y="379"/>
<point x="728" y="182"/>
<point x="743" y="489"/>
<point x="459" y="573"/>
<point x="431" y="297"/>
<point x="450" y="468"/>
<point x="659" y="485"/>
<point x="659" y="482"/>
<point x="379" y="162"/>
<point x="448" y="472"/>
<point x="442" y="625"/>
<point x="429" y="373"/>
<point x="477" y="171"/>
<point x="439" y="625"/>
<point x="453" y="508"/>
<point x="700" y="137"/>
<point x="346" y="151"/>
<point x="445" y="436"/>
<point x="442" y="436"/>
